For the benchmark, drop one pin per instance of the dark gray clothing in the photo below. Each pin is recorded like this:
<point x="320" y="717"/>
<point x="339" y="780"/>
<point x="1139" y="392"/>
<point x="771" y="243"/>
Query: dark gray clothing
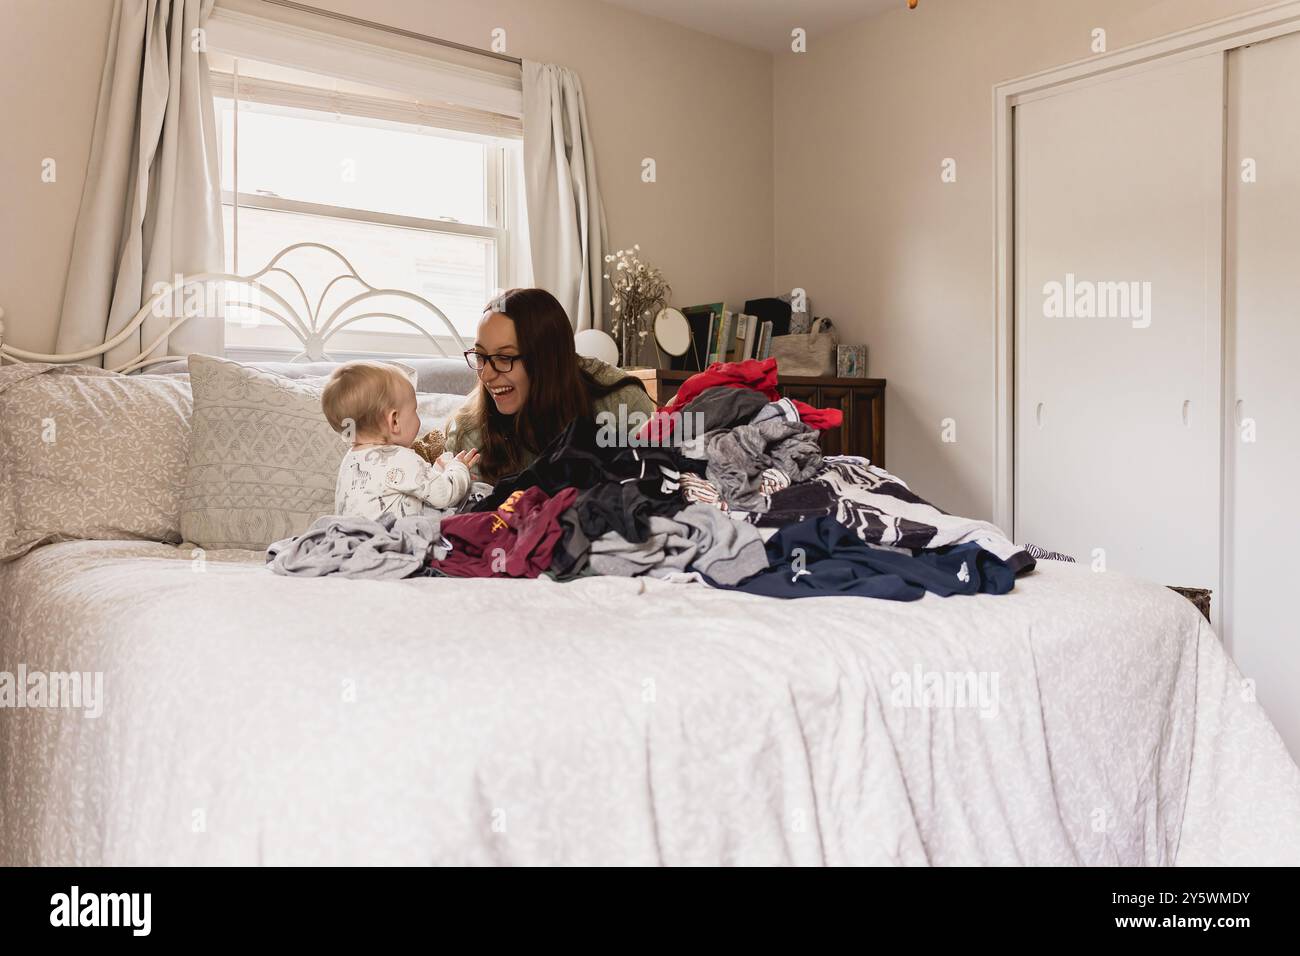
<point x="723" y="407"/>
<point x="570" y="558"/>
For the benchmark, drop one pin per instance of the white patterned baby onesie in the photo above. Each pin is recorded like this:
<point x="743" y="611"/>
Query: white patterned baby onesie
<point x="376" y="480"/>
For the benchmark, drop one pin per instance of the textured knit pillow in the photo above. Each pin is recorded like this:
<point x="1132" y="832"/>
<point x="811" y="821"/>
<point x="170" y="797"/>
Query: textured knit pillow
<point x="89" y="454"/>
<point x="263" y="460"/>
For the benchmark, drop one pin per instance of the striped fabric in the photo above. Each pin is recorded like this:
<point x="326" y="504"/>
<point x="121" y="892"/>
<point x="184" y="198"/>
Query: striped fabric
<point x="700" y="490"/>
<point x="1039" y="554"/>
<point x="771" y="481"/>
<point x="882" y="510"/>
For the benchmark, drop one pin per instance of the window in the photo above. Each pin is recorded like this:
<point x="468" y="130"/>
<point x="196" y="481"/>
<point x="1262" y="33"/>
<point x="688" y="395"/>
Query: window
<point x="413" y="206"/>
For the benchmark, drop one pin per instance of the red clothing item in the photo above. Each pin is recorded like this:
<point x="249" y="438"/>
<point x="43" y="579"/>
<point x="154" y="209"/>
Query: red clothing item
<point x="758" y="374"/>
<point x="517" y="540"/>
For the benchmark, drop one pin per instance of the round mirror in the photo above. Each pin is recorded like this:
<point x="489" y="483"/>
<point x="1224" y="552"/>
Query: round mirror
<point x="672" y="331"/>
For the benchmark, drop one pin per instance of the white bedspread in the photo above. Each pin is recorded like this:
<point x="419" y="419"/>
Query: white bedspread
<point x="250" y="718"/>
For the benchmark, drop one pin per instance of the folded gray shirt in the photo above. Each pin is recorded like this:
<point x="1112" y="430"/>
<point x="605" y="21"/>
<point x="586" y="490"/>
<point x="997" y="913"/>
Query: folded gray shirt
<point x="698" y="538"/>
<point x="388" y="548"/>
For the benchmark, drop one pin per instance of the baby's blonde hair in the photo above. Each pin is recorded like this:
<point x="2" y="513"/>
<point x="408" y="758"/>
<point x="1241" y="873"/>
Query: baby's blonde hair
<point x="363" y="392"/>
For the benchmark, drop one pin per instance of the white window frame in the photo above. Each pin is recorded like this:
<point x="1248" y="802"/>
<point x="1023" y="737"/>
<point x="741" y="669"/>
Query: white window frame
<point x="266" y="342"/>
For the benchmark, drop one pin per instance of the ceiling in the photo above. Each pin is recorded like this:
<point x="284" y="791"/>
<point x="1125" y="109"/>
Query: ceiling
<point x="762" y="24"/>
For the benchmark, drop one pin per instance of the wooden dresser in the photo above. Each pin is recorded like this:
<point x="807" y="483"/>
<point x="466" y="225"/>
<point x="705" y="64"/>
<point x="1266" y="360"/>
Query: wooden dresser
<point x="861" y="400"/>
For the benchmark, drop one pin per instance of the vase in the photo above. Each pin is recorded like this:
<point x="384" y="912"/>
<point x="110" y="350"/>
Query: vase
<point x="631" y="341"/>
<point x="631" y="351"/>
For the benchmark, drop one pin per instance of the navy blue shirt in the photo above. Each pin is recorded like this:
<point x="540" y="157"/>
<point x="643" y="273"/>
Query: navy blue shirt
<point x="822" y="557"/>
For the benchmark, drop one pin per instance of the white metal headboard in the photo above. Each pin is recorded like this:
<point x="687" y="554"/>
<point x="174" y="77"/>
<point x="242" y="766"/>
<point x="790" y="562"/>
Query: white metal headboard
<point x="308" y="325"/>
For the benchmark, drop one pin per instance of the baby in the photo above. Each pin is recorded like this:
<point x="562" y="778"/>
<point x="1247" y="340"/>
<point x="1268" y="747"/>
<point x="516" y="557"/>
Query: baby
<point x="374" y="405"/>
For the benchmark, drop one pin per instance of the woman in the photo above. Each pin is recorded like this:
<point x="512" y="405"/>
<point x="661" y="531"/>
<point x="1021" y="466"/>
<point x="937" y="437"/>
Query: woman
<point x="531" y="384"/>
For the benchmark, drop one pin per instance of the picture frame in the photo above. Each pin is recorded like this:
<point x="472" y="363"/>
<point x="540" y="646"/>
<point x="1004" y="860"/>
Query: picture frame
<point x="851" y="361"/>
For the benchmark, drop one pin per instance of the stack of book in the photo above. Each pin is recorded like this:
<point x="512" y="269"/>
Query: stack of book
<point x="736" y="337"/>
<point x="718" y="335"/>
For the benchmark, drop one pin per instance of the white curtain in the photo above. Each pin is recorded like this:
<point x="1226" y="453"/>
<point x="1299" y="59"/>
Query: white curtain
<point x="151" y="206"/>
<point x="566" y="219"/>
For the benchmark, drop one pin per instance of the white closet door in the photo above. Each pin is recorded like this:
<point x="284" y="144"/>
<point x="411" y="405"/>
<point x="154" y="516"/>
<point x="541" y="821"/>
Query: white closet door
<point x="1118" y="189"/>
<point x="1263" y="351"/>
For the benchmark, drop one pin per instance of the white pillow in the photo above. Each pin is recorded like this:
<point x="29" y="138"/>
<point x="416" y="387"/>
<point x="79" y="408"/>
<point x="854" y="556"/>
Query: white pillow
<point x="435" y="409"/>
<point x="89" y="454"/>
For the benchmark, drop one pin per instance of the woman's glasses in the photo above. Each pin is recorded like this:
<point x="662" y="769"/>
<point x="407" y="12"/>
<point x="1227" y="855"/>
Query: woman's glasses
<point x="479" y="361"/>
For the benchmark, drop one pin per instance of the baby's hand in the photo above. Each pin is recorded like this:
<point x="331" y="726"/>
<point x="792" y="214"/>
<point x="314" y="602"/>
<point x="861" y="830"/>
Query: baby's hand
<point x="468" y="458"/>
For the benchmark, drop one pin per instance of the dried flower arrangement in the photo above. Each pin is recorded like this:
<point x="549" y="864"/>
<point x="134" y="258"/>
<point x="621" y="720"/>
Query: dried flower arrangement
<point x="639" y="292"/>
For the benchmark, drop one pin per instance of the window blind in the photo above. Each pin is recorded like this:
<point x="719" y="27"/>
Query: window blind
<point x="395" y="109"/>
<point x="433" y="78"/>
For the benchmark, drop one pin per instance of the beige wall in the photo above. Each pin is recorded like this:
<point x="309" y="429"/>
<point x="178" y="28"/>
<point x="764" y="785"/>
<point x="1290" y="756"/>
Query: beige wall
<point x="847" y="137"/>
<point x="701" y="107"/>
<point x="902" y="261"/>
<point x="51" y="56"/>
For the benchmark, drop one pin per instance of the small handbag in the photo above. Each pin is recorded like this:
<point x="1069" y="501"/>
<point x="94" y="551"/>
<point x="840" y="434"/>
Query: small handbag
<point x="812" y="354"/>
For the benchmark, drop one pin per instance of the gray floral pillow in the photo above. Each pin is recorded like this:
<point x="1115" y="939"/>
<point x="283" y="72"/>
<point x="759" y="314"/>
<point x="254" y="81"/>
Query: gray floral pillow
<point x="89" y="454"/>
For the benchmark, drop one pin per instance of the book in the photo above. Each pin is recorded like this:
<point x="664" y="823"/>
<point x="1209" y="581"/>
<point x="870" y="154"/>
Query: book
<point x="729" y="343"/>
<point x="747" y="336"/>
<point x="723" y="340"/>
<point x="765" y="340"/>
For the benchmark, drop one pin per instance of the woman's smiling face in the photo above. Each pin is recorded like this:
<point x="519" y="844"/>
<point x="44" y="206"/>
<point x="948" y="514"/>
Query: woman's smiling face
<point x="496" y="336"/>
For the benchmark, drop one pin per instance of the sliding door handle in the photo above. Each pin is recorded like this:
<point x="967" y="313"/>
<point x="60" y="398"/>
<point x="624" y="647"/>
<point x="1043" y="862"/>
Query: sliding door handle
<point x="1187" y="409"/>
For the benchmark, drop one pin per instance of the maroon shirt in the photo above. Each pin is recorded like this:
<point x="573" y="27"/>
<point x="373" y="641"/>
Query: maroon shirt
<point x="517" y="540"/>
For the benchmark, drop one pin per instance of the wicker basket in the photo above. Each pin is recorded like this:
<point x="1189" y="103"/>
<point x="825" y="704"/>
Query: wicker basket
<point x="810" y="354"/>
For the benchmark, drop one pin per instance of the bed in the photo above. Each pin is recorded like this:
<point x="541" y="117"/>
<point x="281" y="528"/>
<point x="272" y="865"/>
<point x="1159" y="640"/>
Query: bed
<point x="257" y="719"/>
<point x="249" y="718"/>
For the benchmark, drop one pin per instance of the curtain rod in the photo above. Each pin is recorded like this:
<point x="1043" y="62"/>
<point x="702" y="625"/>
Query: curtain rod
<point x="357" y="21"/>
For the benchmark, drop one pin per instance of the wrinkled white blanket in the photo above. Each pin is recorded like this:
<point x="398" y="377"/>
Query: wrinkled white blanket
<point x="252" y="718"/>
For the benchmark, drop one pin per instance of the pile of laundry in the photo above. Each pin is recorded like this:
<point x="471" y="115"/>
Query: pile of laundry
<point x="725" y="486"/>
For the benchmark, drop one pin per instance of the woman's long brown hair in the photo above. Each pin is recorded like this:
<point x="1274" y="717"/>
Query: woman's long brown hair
<point x="559" y="389"/>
